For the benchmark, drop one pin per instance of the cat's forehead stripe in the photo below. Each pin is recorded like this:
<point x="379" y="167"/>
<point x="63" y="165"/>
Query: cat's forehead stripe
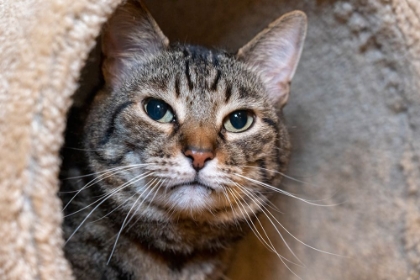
<point x="188" y="74"/>
<point x="216" y="80"/>
<point x="228" y="92"/>
<point x="202" y="61"/>
<point x="177" y="89"/>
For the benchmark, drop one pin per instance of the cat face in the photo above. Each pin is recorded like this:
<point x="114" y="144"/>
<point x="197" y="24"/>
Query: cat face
<point x="191" y="131"/>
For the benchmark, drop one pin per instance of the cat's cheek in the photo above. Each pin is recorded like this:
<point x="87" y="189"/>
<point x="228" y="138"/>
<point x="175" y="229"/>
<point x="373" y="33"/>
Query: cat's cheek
<point x="133" y="157"/>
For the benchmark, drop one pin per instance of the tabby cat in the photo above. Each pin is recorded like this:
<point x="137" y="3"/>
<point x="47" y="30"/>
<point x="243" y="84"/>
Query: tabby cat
<point x="182" y="149"/>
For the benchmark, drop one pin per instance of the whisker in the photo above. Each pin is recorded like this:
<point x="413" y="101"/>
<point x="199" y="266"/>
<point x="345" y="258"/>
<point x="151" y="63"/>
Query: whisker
<point x="252" y="226"/>
<point x="113" y="210"/>
<point x="126" y="217"/>
<point x="81" y="149"/>
<point x="283" y="174"/>
<point x="297" y="239"/>
<point x="274" y="207"/>
<point x="248" y="220"/>
<point x="272" y="248"/>
<point x="107" y="170"/>
<point x="230" y="204"/>
<point x="137" y="178"/>
<point x="159" y="184"/>
<point x="262" y="209"/>
<point x="284" y="192"/>
<point x="99" y="179"/>
<point x="296" y="180"/>
<point x="252" y="197"/>
<point x="99" y="204"/>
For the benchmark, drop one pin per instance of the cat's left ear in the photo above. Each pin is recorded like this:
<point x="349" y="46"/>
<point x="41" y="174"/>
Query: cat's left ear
<point x="275" y="54"/>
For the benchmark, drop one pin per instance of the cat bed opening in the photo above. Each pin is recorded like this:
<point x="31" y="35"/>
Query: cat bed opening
<point x="353" y="115"/>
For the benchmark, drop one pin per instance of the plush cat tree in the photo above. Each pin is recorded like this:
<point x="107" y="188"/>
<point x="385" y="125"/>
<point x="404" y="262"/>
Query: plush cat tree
<point x="43" y="45"/>
<point x="354" y="116"/>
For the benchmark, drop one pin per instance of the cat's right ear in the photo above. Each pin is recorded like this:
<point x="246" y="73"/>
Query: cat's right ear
<point x="130" y="36"/>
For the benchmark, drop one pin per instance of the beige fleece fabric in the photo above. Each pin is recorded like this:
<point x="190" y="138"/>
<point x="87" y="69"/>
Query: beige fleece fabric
<point x="354" y="118"/>
<point x="43" y="45"/>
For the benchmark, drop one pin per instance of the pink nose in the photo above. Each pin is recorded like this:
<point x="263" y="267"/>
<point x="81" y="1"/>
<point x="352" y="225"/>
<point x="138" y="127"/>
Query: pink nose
<point x="199" y="157"/>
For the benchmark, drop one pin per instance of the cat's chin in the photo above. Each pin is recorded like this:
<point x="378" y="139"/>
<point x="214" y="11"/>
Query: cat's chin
<point x="194" y="185"/>
<point x="191" y="197"/>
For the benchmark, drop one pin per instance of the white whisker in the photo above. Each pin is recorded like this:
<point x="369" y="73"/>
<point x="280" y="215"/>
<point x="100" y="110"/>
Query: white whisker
<point x="299" y="181"/>
<point x="128" y="214"/>
<point x="99" y="179"/>
<point x="297" y="239"/>
<point x="158" y="186"/>
<point x="271" y="248"/>
<point x="250" y="195"/>
<point x="137" y="178"/>
<point x="103" y="200"/>
<point x="245" y="214"/>
<point x="284" y="192"/>
<point x="283" y="174"/>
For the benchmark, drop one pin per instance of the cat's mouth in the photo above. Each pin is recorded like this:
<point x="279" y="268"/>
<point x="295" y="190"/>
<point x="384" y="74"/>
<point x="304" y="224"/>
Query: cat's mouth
<point x="192" y="184"/>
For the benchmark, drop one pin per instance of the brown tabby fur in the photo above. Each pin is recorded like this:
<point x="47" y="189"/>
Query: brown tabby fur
<point x="164" y="227"/>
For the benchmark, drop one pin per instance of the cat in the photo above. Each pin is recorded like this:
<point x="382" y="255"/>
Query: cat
<point x="183" y="147"/>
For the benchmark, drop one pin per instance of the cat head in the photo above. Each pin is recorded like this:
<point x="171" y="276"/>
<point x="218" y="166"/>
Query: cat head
<point x="188" y="130"/>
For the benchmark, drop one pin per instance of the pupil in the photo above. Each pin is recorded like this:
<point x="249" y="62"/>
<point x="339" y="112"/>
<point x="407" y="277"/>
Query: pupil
<point x="156" y="109"/>
<point x="238" y="119"/>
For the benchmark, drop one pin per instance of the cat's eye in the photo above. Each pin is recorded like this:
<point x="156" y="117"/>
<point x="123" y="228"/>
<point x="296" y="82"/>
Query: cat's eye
<point x="158" y="110"/>
<point x="239" y="121"/>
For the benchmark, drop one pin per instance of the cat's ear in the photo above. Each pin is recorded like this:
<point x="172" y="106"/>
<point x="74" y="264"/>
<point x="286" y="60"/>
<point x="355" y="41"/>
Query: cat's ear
<point x="275" y="53"/>
<point x="130" y="36"/>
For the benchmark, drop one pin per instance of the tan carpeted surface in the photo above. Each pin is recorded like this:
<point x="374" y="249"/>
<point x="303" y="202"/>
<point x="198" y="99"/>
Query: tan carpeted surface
<point x="354" y="116"/>
<point x="43" y="45"/>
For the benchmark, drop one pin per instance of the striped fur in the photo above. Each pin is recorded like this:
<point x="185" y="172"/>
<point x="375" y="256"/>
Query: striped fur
<point x="162" y="227"/>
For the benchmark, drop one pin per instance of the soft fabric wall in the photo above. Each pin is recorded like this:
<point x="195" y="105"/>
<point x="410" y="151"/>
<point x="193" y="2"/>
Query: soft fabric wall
<point x="43" y="45"/>
<point x="354" y="116"/>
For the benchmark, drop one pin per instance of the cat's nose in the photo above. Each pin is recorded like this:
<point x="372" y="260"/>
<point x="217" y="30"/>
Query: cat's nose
<point x="199" y="157"/>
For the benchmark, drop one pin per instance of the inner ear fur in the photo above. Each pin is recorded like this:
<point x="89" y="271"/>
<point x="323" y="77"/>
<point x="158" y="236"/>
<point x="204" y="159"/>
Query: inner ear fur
<point x="130" y="36"/>
<point x="275" y="52"/>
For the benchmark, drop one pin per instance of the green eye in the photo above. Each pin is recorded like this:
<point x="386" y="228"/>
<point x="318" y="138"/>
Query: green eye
<point x="158" y="110"/>
<point x="239" y="121"/>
